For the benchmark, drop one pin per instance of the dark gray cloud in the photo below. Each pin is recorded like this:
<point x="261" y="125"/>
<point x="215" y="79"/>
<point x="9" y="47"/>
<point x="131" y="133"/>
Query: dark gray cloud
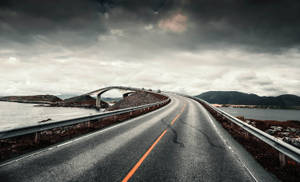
<point x="20" y="21"/>
<point x="265" y="24"/>
<point x="258" y="25"/>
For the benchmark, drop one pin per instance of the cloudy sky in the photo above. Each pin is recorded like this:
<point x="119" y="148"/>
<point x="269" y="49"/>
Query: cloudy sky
<point x="190" y="46"/>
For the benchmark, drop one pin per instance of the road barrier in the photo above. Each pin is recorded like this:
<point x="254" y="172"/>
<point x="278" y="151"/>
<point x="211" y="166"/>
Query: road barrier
<point x="284" y="148"/>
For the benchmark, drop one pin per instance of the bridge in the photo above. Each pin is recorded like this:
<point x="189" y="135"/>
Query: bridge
<point x="101" y="91"/>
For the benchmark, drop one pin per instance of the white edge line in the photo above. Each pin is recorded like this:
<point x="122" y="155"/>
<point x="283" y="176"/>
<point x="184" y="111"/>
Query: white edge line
<point x="228" y="145"/>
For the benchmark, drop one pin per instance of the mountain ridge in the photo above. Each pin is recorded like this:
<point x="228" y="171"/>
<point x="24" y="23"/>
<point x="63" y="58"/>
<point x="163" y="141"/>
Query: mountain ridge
<point x="241" y="98"/>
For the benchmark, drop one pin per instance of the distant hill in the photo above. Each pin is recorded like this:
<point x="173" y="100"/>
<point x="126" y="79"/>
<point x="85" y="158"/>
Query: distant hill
<point x="32" y="99"/>
<point x="239" y="98"/>
<point x="85" y="101"/>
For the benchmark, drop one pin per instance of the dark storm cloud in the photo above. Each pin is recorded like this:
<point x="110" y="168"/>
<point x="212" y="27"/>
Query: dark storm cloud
<point x="261" y="25"/>
<point x="21" y="20"/>
<point x="270" y="24"/>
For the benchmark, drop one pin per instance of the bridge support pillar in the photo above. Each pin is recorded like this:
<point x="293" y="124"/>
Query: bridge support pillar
<point x="98" y="101"/>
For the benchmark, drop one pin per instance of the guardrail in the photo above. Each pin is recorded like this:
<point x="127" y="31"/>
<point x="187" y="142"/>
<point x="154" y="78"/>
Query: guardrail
<point x="281" y="146"/>
<point x="47" y="126"/>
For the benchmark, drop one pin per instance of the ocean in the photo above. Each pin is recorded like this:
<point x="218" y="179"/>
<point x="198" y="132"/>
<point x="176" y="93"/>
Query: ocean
<point x="14" y="115"/>
<point x="264" y="114"/>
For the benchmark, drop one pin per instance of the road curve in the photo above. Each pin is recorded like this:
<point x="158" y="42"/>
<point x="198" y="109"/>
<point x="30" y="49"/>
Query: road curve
<point x="178" y="142"/>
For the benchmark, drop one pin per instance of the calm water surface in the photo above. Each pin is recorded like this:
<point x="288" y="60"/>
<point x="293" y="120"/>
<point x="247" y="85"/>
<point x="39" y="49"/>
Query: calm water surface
<point x="14" y="115"/>
<point x="264" y="114"/>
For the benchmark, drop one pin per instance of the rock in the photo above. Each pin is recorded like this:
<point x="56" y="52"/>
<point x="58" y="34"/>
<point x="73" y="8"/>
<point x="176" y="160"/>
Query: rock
<point x="285" y="133"/>
<point x="270" y="131"/>
<point x="291" y="129"/>
<point x="136" y="99"/>
<point x="293" y="141"/>
<point x="45" y="120"/>
<point x="276" y="128"/>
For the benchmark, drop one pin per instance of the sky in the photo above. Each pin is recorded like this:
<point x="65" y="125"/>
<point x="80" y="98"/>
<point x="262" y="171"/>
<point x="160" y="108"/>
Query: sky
<point x="187" y="46"/>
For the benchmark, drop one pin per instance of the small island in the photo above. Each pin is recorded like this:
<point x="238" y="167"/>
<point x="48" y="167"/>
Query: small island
<point x="33" y="99"/>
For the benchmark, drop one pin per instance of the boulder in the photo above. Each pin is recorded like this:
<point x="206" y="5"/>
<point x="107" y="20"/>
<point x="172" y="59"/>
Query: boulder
<point x="270" y="131"/>
<point x="293" y="141"/>
<point x="276" y="128"/>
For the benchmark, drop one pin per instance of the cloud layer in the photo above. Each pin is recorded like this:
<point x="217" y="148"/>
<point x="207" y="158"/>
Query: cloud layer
<point x="73" y="46"/>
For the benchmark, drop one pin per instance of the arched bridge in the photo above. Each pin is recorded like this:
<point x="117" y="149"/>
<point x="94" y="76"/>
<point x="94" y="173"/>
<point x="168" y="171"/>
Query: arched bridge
<point x="99" y="92"/>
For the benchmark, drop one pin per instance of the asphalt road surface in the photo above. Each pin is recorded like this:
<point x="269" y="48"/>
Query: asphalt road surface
<point x="178" y="142"/>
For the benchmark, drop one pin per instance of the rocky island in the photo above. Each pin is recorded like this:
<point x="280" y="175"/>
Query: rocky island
<point x="34" y="99"/>
<point x="85" y="101"/>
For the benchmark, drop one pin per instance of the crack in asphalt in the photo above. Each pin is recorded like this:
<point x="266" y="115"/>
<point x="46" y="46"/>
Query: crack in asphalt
<point x="203" y="133"/>
<point x="175" y="135"/>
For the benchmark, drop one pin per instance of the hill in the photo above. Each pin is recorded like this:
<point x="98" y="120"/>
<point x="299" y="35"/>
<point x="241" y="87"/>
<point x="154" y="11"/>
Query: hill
<point x="240" y="98"/>
<point x="136" y="99"/>
<point x="85" y="101"/>
<point x="32" y="99"/>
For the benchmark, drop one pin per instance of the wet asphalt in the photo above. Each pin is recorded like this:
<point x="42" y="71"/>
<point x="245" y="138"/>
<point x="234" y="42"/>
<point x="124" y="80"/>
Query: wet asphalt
<point x="190" y="150"/>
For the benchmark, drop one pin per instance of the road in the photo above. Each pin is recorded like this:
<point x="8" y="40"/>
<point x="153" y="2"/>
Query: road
<point x="178" y="142"/>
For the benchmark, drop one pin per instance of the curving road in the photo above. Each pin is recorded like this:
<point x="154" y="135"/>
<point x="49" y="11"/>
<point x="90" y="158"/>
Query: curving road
<point x="179" y="142"/>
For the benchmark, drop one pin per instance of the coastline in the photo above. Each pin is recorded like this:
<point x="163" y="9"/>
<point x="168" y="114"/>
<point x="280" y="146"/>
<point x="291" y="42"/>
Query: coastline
<point x="27" y="102"/>
<point x="287" y="131"/>
<point x="258" y="106"/>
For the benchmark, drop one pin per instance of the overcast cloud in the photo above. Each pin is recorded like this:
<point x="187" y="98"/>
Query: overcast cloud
<point x="75" y="46"/>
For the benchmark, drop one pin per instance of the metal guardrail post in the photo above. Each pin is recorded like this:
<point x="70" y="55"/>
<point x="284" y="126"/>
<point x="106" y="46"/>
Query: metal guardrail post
<point x="282" y="159"/>
<point x="36" y="138"/>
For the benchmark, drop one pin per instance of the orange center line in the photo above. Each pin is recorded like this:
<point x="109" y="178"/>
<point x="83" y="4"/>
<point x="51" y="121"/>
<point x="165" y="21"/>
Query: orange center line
<point x="137" y="165"/>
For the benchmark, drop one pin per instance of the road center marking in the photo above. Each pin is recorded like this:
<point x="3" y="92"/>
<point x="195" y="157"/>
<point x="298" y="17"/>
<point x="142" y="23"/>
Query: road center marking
<point x="138" y="164"/>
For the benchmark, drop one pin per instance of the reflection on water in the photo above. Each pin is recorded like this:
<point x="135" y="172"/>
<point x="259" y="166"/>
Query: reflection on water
<point x="264" y="114"/>
<point x="16" y="114"/>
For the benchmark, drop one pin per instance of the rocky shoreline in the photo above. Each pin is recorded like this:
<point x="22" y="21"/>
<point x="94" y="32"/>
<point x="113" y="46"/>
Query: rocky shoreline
<point x="287" y="131"/>
<point x="35" y="99"/>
